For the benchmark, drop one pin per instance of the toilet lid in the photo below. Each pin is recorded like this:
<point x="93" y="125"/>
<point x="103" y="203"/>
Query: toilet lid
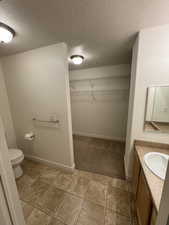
<point x="15" y="154"/>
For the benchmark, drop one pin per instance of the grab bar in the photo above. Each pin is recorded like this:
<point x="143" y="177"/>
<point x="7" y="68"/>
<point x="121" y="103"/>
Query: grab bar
<point x="46" y="121"/>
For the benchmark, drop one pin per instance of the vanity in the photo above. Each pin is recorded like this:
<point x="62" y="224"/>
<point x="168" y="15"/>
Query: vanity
<point x="147" y="187"/>
<point x="151" y="159"/>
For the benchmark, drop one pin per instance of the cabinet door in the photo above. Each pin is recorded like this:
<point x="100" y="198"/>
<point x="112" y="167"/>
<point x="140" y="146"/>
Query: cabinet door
<point x="143" y="201"/>
<point x="136" y="174"/>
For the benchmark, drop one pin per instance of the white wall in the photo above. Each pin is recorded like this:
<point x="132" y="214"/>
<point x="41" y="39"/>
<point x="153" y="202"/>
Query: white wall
<point x="150" y="67"/>
<point x="105" y="115"/>
<point x="163" y="215"/>
<point x="7" y="179"/>
<point x="129" y="135"/>
<point x="38" y="86"/>
<point x="5" y="113"/>
<point x="4" y="211"/>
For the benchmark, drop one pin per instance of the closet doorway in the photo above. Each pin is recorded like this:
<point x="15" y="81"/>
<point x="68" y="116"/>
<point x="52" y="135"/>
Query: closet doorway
<point x="99" y="103"/>
<point x="99" y="156"/>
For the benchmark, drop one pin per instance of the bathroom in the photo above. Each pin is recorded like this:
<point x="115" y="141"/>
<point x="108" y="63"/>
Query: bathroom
<point x="84" y="120"/>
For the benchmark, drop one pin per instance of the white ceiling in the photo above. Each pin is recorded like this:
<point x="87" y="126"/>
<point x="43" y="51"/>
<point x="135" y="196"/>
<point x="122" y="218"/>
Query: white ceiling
<point x="102" y="30"/>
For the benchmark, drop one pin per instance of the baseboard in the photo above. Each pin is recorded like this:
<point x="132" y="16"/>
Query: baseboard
<point x="50" y="163"/>
<point x="99" y="136"/>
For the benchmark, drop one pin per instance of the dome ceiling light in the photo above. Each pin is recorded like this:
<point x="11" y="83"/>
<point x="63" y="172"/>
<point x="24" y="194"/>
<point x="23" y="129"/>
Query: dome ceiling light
<point x="6" y="33"/>
<point x="77" y="59"/>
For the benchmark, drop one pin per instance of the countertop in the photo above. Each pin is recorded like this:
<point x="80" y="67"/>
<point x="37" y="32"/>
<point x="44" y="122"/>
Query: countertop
<point x="155" y="184"/>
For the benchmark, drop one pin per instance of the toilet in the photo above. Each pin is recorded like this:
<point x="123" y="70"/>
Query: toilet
<point x="16" y="157"/>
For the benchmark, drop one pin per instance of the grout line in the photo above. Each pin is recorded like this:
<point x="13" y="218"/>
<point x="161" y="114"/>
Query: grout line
<point x="79" y="212"/>
<point x="105" y="210"/>
<point x="83" y="199"/>
<point x="36" y="207"/>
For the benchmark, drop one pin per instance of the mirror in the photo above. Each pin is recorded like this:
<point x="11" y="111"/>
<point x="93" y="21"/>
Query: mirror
<point x="157" y="110"/>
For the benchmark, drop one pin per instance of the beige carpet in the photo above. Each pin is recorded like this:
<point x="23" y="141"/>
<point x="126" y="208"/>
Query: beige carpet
<point x="99" y="156"/>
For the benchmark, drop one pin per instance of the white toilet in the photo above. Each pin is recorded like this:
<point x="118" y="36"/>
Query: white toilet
<point x="16" y="157"/>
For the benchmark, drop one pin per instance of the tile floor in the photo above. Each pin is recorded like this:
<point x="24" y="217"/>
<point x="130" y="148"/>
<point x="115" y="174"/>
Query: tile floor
<point x="52" y="197"/>
<point x="99" y="156"/>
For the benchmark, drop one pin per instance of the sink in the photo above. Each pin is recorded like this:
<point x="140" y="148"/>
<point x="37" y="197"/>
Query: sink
<point x="157" y="163"/>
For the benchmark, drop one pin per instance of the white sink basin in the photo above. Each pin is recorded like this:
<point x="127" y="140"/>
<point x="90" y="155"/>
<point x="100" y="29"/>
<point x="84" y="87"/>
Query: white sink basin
<point x="157" y="163"/>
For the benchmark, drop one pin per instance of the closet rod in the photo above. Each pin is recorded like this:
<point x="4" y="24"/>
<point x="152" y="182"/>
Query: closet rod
<point x="98" y="78"/>
<point x="115" y="90"/>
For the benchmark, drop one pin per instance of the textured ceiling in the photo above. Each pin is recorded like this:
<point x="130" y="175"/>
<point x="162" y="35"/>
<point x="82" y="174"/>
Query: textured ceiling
<point x="102" y="30"/>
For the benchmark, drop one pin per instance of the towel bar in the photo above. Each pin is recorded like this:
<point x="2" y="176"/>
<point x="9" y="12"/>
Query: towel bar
<point x="46" y="121"/>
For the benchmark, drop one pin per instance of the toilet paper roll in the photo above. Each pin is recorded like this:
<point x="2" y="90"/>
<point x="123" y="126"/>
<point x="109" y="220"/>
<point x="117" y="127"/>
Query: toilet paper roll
<point x="29" y="136"/>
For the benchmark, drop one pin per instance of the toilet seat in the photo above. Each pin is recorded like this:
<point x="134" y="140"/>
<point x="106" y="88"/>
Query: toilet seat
<point x="16" y="156"/>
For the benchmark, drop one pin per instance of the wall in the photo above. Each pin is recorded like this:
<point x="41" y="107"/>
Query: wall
<point x="4" y="212"/>
<point x="150" y="67"/>
<point x="103" y="112"/>
<point x="37" y="84"/>
<point x="130" y="131"/>
<point x="7" y="178"/>
<point x="163" y="214"/>
<point x="5" y="113"/>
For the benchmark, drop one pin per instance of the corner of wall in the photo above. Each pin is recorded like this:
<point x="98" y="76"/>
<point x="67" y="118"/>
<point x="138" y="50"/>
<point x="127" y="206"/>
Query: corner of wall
<point x="5" y="112"/>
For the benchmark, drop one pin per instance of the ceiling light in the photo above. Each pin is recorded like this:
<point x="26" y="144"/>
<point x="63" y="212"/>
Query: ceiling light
<point x="6" y="33"/>
<point x="77" y="59"/>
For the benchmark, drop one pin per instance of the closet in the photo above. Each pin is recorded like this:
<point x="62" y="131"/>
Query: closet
<point x="99" y="103"/>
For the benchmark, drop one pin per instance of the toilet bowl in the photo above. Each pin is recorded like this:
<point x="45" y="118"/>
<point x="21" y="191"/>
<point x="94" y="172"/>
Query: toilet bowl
<point x="16" y="157"/>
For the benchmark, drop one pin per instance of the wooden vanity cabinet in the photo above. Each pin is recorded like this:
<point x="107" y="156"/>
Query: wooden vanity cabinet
<point x="143" y="201"/>
<point x="153" y="217"/>
<point x="136" y="174"/>
<point x="146" y="213"/>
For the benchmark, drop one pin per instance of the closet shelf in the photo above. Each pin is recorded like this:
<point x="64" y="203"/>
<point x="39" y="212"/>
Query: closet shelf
<point x="103" y="90"/>
<point x="99" y="78"/>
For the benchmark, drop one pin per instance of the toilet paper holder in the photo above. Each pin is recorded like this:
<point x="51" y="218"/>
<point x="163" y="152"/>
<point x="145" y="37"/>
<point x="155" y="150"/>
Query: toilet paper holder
<point x="29" y="136"/>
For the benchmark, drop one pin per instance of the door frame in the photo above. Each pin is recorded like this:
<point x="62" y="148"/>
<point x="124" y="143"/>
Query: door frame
<point x="8" y="182"/>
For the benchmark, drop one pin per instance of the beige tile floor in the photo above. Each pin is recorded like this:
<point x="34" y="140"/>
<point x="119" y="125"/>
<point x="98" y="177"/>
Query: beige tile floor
<point x="52" y="197"/>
